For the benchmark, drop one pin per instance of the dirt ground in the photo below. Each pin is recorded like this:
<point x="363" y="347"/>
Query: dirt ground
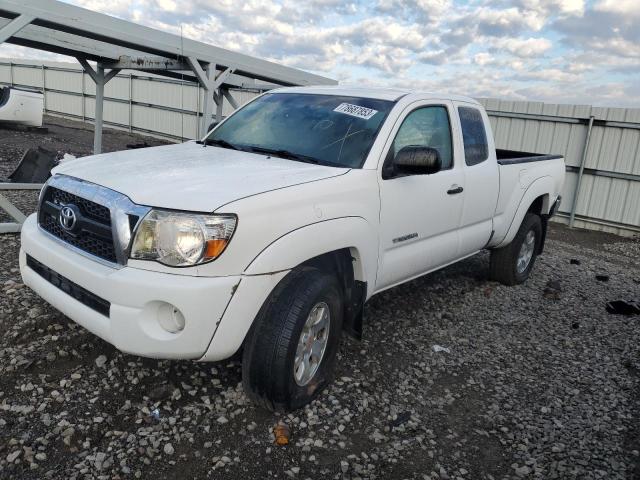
<point x="62" y="136"/>
<point x="538" y="381"/>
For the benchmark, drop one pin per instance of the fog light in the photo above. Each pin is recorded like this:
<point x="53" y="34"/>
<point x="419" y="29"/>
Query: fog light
<point x="170" y="318"/>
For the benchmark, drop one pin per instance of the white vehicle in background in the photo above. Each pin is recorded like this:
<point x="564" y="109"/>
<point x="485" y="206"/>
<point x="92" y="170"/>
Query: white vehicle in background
<point x="268" y="237"/>
<point x="21" y="107"/>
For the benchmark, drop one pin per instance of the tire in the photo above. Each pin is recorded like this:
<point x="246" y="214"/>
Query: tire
<point x="504" y="266"/>
<point x="269" y="354"/>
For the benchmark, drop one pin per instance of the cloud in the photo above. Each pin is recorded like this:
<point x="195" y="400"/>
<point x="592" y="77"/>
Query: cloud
<point x="627" y="8"/>
<point x="524" y="47"/>
<point x="421" y="10"/>
<point x="551" y="7"/>
<point x="508" y="21"/>
<point x="538" y="49"/>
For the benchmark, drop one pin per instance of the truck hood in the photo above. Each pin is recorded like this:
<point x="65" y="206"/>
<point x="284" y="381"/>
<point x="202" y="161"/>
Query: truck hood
<point x="191" y="177"/>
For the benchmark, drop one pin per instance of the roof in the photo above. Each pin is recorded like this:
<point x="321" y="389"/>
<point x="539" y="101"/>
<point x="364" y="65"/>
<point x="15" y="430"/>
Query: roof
<point x="61" y="28"/>
<point x="380" y="93"/>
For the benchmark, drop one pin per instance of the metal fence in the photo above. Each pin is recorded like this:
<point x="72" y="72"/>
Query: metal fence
<point x="601" y="145"/>
<point x="143" y="103"/>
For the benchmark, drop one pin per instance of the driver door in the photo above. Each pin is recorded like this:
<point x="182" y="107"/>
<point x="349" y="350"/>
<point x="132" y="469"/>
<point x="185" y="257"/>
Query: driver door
<point x="420" y="214"/>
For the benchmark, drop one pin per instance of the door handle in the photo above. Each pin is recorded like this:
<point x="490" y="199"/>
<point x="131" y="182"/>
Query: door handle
<point x="455" y="189"/>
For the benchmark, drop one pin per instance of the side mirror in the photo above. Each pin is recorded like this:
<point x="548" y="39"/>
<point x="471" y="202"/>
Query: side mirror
<point x="417" y="160"/>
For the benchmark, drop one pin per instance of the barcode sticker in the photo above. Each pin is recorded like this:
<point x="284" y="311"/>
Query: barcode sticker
<point x="356" y="111"/>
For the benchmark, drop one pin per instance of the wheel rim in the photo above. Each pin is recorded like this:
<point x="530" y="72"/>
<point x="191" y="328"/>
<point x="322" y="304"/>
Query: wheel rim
<point x="526" y="251"/>
<point x="312" y="344"/>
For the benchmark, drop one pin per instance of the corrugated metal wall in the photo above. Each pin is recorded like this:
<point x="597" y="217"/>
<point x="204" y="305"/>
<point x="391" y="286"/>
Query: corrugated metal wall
<point x="135" y="101"/>
<point x="609" y="196"/>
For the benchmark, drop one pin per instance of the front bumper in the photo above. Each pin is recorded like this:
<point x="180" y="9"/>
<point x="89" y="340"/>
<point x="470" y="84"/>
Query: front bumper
<point x="135" y="296"/>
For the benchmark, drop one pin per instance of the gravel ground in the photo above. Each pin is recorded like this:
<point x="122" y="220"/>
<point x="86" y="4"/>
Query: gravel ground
<point x="539" y="381"/>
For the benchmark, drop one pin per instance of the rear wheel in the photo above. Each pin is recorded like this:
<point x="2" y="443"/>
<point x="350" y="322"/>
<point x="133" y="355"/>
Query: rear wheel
<point x="513" y="263"/>
<point x="290" y="351"/>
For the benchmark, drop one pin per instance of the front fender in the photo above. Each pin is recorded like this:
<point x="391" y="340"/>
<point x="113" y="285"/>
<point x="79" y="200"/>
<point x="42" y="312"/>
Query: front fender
<point x="312" y="240"/>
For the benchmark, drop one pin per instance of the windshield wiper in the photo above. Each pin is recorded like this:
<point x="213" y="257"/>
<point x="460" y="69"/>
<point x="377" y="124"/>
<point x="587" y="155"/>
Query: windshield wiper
<point x="284" y="154"/>
<point x="218" y="143"/>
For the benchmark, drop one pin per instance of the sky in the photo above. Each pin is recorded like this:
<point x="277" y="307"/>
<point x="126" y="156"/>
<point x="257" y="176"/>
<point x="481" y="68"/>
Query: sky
<point x="560" y="51"/>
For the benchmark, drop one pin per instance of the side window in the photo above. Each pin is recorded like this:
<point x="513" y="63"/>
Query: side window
<point x="476" y="149"/>
<point x="429" y="127"/>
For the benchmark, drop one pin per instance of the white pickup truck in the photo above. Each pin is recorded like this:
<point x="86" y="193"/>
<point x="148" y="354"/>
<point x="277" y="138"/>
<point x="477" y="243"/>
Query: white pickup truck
<point x="267" y="237"/>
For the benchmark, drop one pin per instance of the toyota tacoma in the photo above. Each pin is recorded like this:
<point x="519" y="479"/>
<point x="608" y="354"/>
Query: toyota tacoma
<point x="266" y="238"/>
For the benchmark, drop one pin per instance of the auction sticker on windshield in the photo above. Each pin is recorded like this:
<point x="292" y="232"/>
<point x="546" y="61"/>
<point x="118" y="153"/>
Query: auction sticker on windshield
<point x="356" y="111"/>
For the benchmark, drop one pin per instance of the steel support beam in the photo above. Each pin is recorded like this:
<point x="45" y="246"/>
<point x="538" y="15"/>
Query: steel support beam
<point x="229" y="97"/>
<point x="219" y="101"/>
<point x="205" y="79"/>
<point x="98" y="116"/>
<point x="210" y="84"/>
<point x="11" y="209"/>
<point x="74" y="29"/>
<point x="13" y="27"/>
<point x="147" y="63"/>
<point x="560" y="119"/>
<point x="576" y="192"/>
<point x="13" y="212"/>
<point x="605" y="173"/>
<point x="100" y="79"/>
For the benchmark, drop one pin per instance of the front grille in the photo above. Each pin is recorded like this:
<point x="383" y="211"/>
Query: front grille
<point x="92" y="232"/>
<point x="91" y="209"/>
<point x="81" y="294"/>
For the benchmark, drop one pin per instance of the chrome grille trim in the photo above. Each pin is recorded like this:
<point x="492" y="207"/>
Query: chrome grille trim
<point x="120" y="208"/>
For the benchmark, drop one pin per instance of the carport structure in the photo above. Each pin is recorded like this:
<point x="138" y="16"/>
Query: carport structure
<point x="115" y="44"/>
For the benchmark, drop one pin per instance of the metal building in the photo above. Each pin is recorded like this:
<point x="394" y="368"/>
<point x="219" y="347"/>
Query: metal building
<point x="139" y="102"/>
<point x="601" y="147"/>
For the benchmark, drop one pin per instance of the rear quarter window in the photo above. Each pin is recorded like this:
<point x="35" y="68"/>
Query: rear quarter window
<point x="474" y="135"/>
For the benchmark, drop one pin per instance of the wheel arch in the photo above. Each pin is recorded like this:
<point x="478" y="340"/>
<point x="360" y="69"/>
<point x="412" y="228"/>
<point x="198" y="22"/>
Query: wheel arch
<point x="536" y="199"/>
<point x="345" y="266"/>
<point x="353" y="234"/>
<point x="345" y="246"/>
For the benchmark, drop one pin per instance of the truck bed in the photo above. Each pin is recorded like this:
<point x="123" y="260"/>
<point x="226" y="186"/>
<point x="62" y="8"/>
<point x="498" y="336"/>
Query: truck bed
<point x="511" y="157"/>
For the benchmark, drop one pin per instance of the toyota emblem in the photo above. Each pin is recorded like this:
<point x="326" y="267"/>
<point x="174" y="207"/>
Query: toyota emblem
<point x="67" y="218"/>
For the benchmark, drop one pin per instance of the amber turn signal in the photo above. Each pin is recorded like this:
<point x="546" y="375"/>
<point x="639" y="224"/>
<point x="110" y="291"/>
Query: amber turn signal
<point x="215" y="248"/>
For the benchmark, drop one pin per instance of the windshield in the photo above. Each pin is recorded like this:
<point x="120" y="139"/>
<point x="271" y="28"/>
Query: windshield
<point x="323" y="129"/>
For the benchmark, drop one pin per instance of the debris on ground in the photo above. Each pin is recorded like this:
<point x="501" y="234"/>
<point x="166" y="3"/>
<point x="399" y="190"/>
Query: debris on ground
<point x="35" y="166"/>
<point x="137" y="145"/>
<point x="602" y="278"/>
<point x="621" y="307"/>
<point x="439" y="348"/>
<point x="574" y="261"/>
<point x="400" y="419"/>
<point x="66" y="157"/>
<point x="553" y="290"/>
<point x="101" y="361"/>
<point x="281" y="432"/>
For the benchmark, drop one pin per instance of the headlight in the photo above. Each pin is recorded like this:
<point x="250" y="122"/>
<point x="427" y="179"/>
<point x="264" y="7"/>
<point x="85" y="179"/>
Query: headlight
<point x="182" y="239"/>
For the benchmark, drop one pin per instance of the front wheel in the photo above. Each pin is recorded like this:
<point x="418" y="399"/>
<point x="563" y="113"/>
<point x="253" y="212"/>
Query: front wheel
<point x="290" y="351"/>
<point x="513" y="263"/>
